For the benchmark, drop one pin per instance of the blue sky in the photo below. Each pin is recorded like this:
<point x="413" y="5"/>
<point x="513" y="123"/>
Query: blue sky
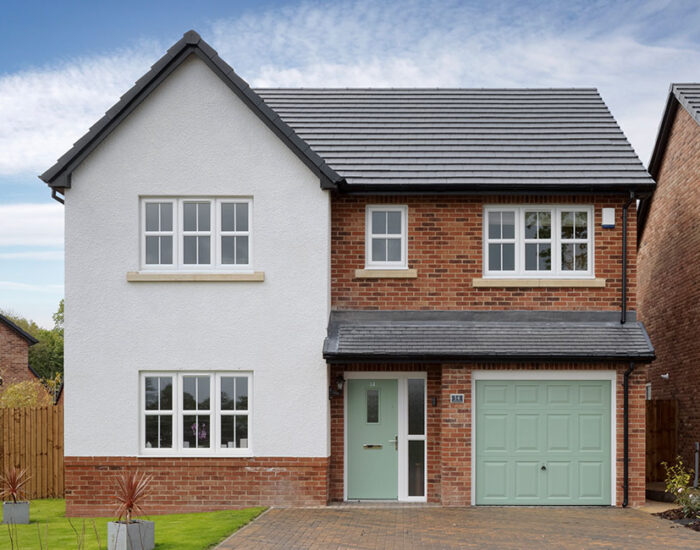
<point x="62" y="64"/>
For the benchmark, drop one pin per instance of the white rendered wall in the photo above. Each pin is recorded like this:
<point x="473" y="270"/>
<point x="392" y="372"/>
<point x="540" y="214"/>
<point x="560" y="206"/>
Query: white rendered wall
<point x="193" y="136"/>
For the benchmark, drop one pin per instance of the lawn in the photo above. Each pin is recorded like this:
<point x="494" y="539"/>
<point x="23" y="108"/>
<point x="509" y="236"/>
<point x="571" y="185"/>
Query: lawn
<point x="173" y="532"/>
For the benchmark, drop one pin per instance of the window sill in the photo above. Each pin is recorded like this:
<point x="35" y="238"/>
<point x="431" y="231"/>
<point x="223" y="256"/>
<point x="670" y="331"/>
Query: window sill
<point x="538" y="283"/>
<point x="246" y="454"/>
<point x="152" y="277"/>
<point x="386" y="274"/>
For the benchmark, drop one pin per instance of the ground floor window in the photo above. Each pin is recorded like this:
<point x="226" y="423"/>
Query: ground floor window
<point x="196" y="413"/>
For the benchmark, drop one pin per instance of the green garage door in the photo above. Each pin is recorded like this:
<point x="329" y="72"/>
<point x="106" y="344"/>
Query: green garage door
<point x="543" y="442"/>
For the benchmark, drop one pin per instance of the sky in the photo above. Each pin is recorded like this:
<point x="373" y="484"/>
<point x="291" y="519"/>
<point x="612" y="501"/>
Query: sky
<point x="63" y="64"/>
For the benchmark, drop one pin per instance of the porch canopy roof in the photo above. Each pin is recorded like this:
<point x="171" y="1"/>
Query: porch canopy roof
<point x="485" y="336"/>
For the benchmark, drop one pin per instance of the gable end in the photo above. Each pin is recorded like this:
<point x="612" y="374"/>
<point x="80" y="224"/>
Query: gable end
<point x="58" y="177"/>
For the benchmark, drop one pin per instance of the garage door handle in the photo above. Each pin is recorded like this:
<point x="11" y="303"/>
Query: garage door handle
<point x="544" y="467"/>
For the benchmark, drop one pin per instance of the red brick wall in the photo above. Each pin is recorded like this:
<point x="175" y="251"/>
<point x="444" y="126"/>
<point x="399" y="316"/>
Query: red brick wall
<point x="14" y="351"/>
<point x="449" y="429"/>
<point x="445" y="246"/>
<point x="669" y="278"/>
<point x="197" y="484"/>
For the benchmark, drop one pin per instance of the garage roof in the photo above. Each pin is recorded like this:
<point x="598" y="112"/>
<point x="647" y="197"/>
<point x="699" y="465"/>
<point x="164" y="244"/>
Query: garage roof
<point x="485" y="335"/>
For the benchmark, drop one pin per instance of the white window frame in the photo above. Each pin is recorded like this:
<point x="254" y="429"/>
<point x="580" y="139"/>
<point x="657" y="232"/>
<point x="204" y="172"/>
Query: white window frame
<point x="221" y="233"/>
<point x="145" y="413"/>
<point x="182" y="266"/>
<point x="403" y="263"/>
<point x="159" y="233"/>
<point x="178" y="234"/>
<point x="556" y="241"/>
<point x="178" y="412"/>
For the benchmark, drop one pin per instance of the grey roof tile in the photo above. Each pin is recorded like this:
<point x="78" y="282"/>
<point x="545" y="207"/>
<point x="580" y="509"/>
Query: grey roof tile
<point x="484" y="335"/>
<point x="346" y="127"/>
<point x="688" y="95"/>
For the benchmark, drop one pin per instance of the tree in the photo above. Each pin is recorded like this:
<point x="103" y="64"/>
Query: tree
<point x="28" y="393"/>
<point x="46" y="356"/>
<point x="58" y="318"/>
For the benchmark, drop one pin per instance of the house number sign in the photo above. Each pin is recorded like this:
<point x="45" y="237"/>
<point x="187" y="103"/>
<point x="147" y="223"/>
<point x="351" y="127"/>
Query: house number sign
<point x="456" y="398"/>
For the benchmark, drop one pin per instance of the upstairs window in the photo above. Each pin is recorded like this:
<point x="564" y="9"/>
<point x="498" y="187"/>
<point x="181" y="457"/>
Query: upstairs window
<point x="196" y="234"/>
<point x="386" y="240"/>
<point x="538" y="241"/>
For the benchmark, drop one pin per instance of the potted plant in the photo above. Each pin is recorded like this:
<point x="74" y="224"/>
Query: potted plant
<point x="126" y="533"/>
<point x="15" y="511"/>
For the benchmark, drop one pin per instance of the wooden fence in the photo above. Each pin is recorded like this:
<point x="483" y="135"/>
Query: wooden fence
<point x="661" y="436"/>
<point x="32" y="438"/>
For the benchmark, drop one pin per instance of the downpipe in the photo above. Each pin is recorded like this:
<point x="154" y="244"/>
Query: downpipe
<point x="623" y="312"/>
<point x="626" y="442"/>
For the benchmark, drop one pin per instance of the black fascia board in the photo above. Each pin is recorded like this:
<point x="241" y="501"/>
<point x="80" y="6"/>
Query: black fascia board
<point x="21" y="332"/>
<point x="656" y="159"/>
<point x="491" y="189"/>
<point x="456" y="358"/>
<point x="59" y="175"/>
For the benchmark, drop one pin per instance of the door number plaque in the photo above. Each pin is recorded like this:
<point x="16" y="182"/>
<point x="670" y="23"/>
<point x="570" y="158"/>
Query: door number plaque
<point x="456" y="398"/>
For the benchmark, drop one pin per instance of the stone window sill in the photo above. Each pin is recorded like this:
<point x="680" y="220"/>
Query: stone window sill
<point x="538" y="283"/>
<point x="151" y="277"/>
<point x="386" y="274"/>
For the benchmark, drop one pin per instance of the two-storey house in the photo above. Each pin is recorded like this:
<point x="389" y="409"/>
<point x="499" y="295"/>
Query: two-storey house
<point x="306" y="296"/>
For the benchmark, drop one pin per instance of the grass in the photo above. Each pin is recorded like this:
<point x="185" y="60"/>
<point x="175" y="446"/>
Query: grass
<point x="173" y="532"/>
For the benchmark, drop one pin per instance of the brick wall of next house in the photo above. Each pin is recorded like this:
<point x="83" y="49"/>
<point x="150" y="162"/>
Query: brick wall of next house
<point x="445" y="246"/>
<point x="197" y="484"/>
<point x="449" y="428"/>
<point x="14" y="352"/>
<point x="669" y="278"/>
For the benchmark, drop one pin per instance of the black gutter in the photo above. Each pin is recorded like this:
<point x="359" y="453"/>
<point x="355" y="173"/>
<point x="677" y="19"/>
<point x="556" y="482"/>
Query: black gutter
<point x="623" y="312"/>
<point x="490" y="189"/>
<point x="447" y="357"/>
<point x="626" y="451"/>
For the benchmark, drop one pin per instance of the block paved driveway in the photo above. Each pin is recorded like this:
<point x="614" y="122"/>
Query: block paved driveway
<point x="428" y="527"/>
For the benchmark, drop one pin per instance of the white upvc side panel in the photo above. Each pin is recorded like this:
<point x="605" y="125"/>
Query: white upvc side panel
<point x="194" y="137"/>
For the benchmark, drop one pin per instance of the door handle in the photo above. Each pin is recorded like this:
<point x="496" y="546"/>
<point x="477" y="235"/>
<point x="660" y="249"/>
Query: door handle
<point x="395" y="441"/>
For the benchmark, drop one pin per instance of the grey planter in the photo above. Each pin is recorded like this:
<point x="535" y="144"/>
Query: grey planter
<point x="137" y="535"/>
<point x="16" y="513"/>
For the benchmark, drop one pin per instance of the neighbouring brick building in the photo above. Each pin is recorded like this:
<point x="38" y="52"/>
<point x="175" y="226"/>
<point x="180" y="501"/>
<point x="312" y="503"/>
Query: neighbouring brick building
<point x="669" y="262"/>
<point x="14" y="353"/>
<point x="438" y="307"/>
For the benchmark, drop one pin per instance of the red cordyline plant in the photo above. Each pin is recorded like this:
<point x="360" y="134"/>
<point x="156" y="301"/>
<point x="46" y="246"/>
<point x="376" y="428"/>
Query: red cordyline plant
<point x="13" y="482"/>
<point x="131" y="491"/>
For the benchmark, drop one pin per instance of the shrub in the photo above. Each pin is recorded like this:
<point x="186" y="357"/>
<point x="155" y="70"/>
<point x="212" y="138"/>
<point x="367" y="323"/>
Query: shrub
<point x="131" y="491"/>
<point x="13" y="482"/>
<point x="28" y="393"/>
<point x="678" y="484"/>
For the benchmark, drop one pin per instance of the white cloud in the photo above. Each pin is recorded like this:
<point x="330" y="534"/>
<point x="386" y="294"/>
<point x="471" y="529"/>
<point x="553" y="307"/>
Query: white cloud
<point x="25" y="287"/>
<point x="40" y="255"/>
<point x="630" y="50"/>
<point x="43" y="111"/>
<point x="31" y="225"/>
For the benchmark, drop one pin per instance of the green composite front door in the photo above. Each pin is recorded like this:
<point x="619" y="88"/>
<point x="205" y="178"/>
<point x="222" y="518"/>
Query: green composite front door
<point x="372" y="429"/>
<point x="543" y="442"/>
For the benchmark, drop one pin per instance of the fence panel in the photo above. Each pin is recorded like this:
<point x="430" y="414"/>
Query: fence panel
<point x="32" y="438"/>
<point x="661" y="436"/>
